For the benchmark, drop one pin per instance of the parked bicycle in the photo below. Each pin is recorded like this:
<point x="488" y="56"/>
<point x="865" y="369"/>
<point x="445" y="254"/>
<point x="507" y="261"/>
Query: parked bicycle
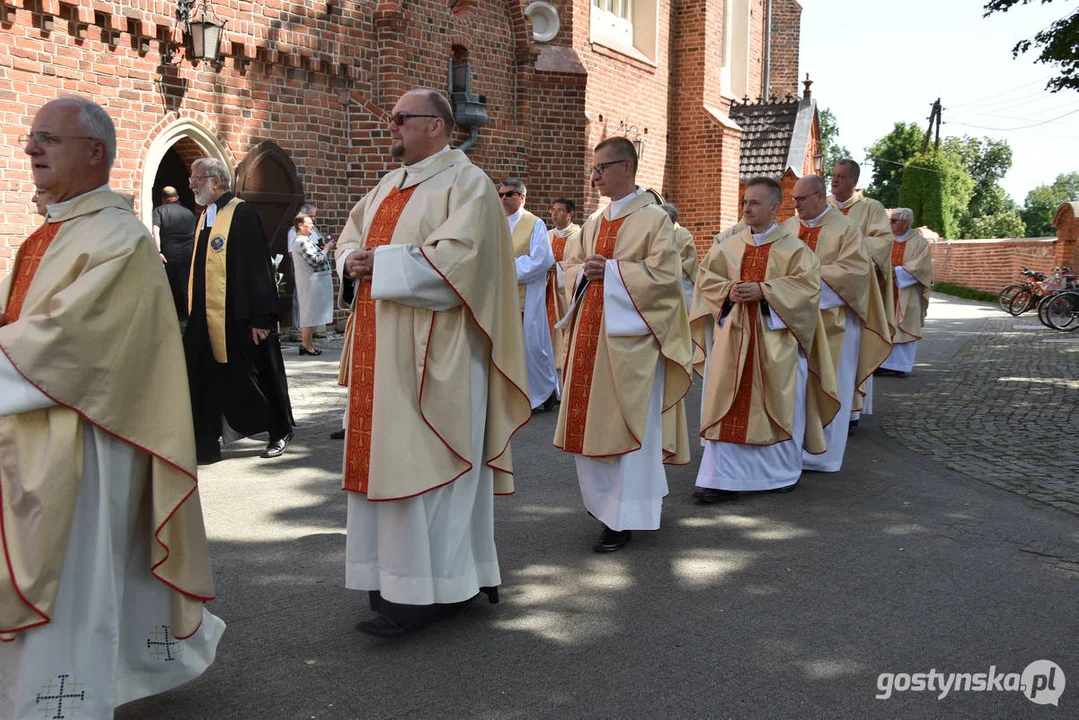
<point x="1038" y="288"/>
<point x="1062" y="311"/>
<point x="1008" y="294"/>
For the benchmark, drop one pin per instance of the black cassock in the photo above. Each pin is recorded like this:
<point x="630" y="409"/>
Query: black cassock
<point x="250" y="390"/>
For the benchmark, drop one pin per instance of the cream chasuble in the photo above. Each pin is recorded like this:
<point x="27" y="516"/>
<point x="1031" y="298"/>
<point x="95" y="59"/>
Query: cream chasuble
<point x="557" y="299"/>
<point x="687" y="251"/>
<point x="418" y="383"/>
<point x="869" y="216"/>
<point x="533" y="261"/>
<point x="748" y="398"/>
<point x="102" y="526"/>
<point x="627" y="364"/>
<point x="912" y="265"/>
<point x="852" y="313"/>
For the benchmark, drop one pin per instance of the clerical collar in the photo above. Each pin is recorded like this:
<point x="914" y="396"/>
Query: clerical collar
<point x="564" y="231"/>
<point x="816" y="221"/>
<point x="515" y="217"/>
<point x="60" y="205"/>
<point x="844" y="204"/>
<point x="905" y="236"/>
<point x="616" y="206"/>
<point x="421" y="164"/>
<point x="758" y="238"/>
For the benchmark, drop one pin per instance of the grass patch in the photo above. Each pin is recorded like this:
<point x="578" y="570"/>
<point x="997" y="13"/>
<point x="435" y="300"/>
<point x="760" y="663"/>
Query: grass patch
<point x="965" y="292"/>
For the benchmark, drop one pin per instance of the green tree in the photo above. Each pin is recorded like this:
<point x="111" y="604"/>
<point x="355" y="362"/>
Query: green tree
<point x="1059" y="44"/>
<point x="1007" y="224"/>
<point x="987" y="160"/>
<point x="937" y="188"/>
<point x="1042" y="203"/>
<point x="889" y="155"/>
<point x="830" y="149"/>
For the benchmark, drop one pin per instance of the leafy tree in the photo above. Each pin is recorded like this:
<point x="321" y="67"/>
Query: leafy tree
<point x="1059" y="44"/>
<point x="1042" y="203"/>
<point x="1007" y="224"/>
<point x="937" y="188"/>
<point x="889" y="155"/>
<point x="829" y="136"/>
<point x="987" y="160"/>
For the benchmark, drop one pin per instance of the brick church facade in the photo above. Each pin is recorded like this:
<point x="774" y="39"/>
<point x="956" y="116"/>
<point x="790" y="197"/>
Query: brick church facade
<point x="298" y="102"/>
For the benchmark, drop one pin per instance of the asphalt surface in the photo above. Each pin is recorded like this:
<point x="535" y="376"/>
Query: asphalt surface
<point x="775" y="606"/>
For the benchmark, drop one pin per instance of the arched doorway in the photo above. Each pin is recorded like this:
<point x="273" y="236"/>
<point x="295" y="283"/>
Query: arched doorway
<point x="267" y="180"/>
<point x="175" y="171"/>
<point x="181" y="143"/>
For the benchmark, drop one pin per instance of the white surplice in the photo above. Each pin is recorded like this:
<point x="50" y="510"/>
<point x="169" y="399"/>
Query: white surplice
<point x="902" y="356"/>
<point x="110" y="640"/>
<point x="532" y="273"/>
<point x="437" y="547"/>
<point x="626" y="492"/>
<point x="737" y="467"/>
<point x="835" y="432"/>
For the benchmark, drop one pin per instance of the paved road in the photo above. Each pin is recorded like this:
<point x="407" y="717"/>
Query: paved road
<point x="780" y="606"/>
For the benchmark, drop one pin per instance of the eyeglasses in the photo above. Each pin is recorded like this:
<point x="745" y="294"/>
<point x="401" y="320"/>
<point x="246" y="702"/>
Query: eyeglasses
<point x="200" y="177"/>
<point x="803" y="198"/>
<point x="45" y="138"/>
<point x="600" y="168"/>
<point x="894" y="220"/>
<point x="400" y="118"/>
<point x="508" y="193"/>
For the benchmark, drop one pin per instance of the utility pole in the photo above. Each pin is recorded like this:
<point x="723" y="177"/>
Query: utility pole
<point x="934" y="117"/>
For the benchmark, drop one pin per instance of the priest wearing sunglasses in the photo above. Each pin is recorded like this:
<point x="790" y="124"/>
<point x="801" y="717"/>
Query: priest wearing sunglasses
<point x="436" y="375"/>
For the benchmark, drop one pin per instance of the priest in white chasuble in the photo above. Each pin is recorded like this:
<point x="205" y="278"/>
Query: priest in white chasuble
<point x="533" y="261"/>
<point x="687" y="252"/>
<point x="106" y="565"/>
<point x="437" y="379"/>
<point x="870" y="217"/>
<point x="912" y="269"/>
<point x="563" y="214"/>
<point x="851" y="307"/>
<point x="628" y="361"/>
<point x="770" y="385"/>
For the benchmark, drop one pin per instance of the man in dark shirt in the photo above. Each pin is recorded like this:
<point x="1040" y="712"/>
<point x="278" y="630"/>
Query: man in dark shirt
<point x="174" y="233"/>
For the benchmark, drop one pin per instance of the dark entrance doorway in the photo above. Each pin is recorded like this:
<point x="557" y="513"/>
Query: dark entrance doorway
<point x="175" y="172"/>
<point x="268" y="181"/>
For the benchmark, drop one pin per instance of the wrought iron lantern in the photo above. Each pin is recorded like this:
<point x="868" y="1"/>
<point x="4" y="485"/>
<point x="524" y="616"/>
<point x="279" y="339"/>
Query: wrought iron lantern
<point x="203" y="34"/>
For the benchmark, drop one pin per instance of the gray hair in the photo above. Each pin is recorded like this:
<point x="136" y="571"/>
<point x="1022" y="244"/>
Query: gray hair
<point x="672" y="211"/>
<point x="216" y="169"/>
<point x="308" y="208"/>
<point x="903" y="214"/>
<point x="95" y="122"/>
<point x="515" y="184"/>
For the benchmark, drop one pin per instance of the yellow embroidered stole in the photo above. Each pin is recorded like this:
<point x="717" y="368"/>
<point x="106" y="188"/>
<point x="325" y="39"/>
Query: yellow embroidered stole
<point x="522" y="243"/>
<point x="216" y="277"/>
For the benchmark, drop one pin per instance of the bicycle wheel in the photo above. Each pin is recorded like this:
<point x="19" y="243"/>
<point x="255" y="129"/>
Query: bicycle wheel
<point x="1007" y="295"/>
<point x="1043" y="307"/>
<point x="1021" y="302"/>
<point x="1062" y="311"/>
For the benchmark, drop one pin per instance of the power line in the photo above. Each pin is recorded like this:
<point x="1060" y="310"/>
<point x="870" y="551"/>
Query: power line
<point x="1025" y="119"/>
<point x="1033" y="97"/>
<point x="981" y="100"/>
<point x="1021" y="127"/>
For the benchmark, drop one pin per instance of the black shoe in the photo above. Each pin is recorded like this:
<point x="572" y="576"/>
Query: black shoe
<point x="550" y="403"/>
<point x="786" y="489"/>
<point x="277" y="447"/>
<point x="612" y="540"/>
<point x="338" y="434"/>
<point x="305" y="351"/>
<point x="711" y="495"/>
<point x="852" y="427"/>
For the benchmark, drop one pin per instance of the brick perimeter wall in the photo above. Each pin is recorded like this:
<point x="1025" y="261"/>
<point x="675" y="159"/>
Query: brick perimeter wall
<point x="991" y="265"/>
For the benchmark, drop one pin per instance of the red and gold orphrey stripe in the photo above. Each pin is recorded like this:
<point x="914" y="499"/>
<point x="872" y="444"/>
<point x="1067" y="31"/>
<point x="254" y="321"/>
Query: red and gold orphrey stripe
<point x="898" y="250"/>
<point x="26" y="264"/>
<point x="558" y="247"/>
<point x="589" y="320"/>
<point x="735" y="424"/>
<point x="362" y="378"/>
<point x="846" y="210"/>
<point x="809" y="236"/>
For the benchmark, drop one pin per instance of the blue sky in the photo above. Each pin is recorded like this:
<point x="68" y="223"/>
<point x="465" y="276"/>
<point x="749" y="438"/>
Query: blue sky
<point x="878" y="62"/>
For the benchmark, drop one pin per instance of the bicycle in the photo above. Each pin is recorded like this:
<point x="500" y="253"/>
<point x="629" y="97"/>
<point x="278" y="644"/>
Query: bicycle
<point x="1008" y="294"/>
<point x="1062" y="311"/>
<point x="1039" y="288"/>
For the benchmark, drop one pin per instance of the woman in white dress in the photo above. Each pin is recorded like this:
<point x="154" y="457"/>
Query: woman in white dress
<point x="314" y="282"/>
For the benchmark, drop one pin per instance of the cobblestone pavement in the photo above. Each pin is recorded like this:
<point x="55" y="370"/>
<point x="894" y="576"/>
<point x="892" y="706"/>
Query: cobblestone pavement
<point x="997" y="399"/>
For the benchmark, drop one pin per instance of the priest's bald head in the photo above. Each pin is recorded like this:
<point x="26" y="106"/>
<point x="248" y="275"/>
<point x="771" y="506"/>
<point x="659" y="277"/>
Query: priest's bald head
<point x="614" y="168"/>
<point x="809" y="197"/>
<point x="420" y="125"/>
<point x="72" y="145"/>
<point x="761" y="203"/>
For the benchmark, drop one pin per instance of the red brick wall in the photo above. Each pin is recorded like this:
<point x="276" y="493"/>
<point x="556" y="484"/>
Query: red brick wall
<point x="991" y="265"/>
<point x="785" y="42"/>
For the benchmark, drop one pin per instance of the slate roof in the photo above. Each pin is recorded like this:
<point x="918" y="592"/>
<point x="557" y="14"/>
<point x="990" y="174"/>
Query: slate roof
<point x="775" y="135"/>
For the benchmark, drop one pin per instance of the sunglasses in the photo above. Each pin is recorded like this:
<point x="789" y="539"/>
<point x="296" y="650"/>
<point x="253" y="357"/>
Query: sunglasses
<point x="401" y="117"/>
<point x="508" y="193"/>
<point x="600" y="168"/>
